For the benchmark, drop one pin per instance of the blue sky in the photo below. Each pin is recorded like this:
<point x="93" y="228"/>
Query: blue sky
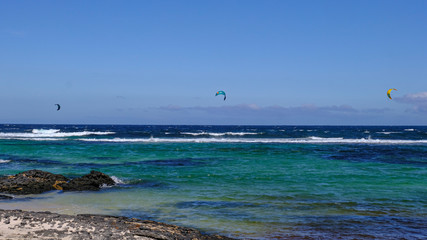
<point x="161" y="62"/>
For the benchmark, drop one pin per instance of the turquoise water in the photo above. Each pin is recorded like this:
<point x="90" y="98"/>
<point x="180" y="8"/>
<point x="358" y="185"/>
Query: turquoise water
<point x="261" y="182"/>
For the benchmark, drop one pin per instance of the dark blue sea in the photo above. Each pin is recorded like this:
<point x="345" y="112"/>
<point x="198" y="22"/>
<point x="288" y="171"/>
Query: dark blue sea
<point x="248" y="182"/>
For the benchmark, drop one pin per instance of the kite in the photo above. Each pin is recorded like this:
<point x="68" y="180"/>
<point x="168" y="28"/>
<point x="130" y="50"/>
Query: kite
<point x="221" y="93"/>
<point x="389" y="91"/>
<point x="59" y="107"/>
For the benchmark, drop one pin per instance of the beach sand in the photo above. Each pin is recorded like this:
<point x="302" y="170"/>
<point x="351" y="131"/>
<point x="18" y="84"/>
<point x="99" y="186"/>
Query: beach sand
<point x="17" y="224"/>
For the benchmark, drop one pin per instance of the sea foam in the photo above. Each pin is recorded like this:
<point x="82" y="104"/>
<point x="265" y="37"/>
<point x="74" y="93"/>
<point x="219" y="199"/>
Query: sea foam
<point x="308" y="140"/>
<point x="38" y="134"/>
<point x="219" y="134"/>
<point x="117" y="180"/>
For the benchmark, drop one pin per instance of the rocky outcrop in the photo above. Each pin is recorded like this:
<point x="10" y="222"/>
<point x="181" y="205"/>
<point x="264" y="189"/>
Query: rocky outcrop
<point x="37" y="181"/>
<point x="31" y="182"/>
<point x="90" y="182"/>
<point x="17" y="224"/>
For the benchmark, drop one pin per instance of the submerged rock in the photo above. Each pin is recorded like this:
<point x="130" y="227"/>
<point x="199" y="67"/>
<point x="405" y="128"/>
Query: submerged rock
<point x="37" y="181"/>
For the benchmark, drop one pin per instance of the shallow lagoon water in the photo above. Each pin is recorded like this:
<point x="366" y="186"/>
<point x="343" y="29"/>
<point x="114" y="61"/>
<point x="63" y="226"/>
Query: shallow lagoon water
<point x="240" y="181"/>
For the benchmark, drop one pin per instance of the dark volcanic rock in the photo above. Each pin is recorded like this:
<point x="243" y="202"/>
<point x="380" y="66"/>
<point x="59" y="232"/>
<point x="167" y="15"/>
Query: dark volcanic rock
<point x="31" y="182"/>
<point x="3" y="197"/>
<point x="37" y="181"/>
<point x="92" y="181"/>
<point x="17" y="224"/>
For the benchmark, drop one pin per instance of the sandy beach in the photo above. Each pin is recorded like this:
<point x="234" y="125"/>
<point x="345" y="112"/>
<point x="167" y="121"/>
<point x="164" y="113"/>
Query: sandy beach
<point x="17" y="224"/>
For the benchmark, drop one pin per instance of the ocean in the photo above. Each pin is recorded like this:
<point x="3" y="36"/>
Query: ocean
<point x="247" y="182"/>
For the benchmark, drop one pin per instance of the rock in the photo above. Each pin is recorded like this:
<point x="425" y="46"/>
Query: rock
<point x="31" y="182"/>
<point x="3" y="197"/>
<point x="37" y="181"/>
<point x="90" y="182"/>
<point x="16" y="224"/>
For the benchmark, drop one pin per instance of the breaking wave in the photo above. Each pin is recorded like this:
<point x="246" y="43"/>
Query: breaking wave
<point x="309" y="140"/>
<point x="387" y="133"/>
<point x="219" y="134"/>
<point x="48" y="134"/>
<point x="117" y="180"/>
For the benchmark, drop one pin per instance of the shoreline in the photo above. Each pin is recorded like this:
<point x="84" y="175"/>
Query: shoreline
<point x="19" y="224"/>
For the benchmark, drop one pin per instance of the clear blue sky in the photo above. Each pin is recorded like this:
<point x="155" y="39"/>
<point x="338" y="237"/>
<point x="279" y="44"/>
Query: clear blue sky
<point x="161" y="62"/>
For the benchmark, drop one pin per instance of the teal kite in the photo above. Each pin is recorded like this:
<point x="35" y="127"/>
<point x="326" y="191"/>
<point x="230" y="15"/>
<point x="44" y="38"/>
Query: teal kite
<point x="221" y="93"/>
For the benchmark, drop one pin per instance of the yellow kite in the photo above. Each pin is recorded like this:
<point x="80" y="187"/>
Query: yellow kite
<point x="389" y="91"/>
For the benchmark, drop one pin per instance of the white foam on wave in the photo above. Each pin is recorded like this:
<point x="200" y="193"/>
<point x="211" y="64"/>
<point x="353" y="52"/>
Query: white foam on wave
<point x="45" y="131"/>
<point x="4" y="161"/>
<point x="309" y="140"/>
<point x="388" y="133"/>
<point x="45" y="134"/>
<point x="219" y="134"/>
<point x="409" y="130"/>
<point x="32" y="139"/>
<point x="117" y="180"/>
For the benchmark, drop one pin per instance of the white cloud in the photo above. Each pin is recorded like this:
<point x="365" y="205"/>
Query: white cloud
<point x="418" y="101"/>
<point x="414" y="98"/>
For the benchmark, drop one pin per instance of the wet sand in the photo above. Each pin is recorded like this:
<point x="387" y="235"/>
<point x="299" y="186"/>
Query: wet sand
<point x="17" y="224"/>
